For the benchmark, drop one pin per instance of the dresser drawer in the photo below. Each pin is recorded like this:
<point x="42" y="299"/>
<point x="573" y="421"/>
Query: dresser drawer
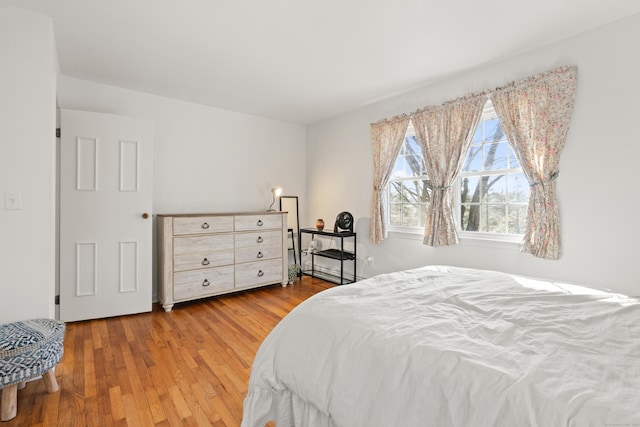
<point x="264" y="238"/>
<point x="258" y="253"/>
<point x="202" y="224"/>
<point x="258" y="272"/>
<point x="193" y="244"/>
<point x="202" y="260"/>
<point x="200" y="283"/>
<point x="257" y="222"/>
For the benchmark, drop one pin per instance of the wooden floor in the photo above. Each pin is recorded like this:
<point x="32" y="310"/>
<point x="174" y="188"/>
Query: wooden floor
<point x="189" y="367"/>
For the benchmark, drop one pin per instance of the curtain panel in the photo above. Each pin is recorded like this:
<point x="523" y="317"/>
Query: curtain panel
<point x="387" y="137"/>
<point x="535" y="115"/>
<point x="445" y="133"/>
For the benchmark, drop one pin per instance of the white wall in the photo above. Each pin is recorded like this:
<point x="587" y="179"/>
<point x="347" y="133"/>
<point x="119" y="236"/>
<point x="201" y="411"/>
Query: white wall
<point x="205" y="159"/>
<point x="27" y="165"/>
<point x="597" y="187"/>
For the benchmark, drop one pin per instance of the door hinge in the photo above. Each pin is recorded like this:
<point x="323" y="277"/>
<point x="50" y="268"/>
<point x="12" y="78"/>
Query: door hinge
<point x="57" y="300"/>
<point x="57" y="132"/>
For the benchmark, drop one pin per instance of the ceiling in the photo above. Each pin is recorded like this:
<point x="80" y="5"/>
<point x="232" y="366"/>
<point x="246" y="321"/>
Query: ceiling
<point x="296" y="60"/>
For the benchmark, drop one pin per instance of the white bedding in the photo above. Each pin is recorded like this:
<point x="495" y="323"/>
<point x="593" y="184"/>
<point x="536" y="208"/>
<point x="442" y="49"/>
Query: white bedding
<point x="446" y="346"/>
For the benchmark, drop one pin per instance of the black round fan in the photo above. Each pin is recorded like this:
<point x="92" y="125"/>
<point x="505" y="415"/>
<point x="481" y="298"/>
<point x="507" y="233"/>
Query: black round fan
<point x="344" y="222"/>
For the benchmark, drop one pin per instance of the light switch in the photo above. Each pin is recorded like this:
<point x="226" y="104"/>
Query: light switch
<point x="13" y="200"/>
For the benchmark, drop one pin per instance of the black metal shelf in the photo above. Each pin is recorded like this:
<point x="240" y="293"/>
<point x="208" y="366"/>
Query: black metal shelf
<point x="330" y="277"/>
<point x="334" y="253"/>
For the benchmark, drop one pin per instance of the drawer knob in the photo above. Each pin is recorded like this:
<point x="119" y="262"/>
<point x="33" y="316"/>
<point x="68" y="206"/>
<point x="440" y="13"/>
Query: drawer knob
<point x="260" y="239"/>
<point x="260" y="255"/>
<point x="260" y="223"/>
<point x="206" y="283"/>
<point x="205" y="262"/>
<point x="205" y="226"/>
<point x="260" y="273"/>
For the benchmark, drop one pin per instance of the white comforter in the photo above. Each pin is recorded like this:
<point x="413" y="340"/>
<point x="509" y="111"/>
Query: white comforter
<point x="445" y="346"/>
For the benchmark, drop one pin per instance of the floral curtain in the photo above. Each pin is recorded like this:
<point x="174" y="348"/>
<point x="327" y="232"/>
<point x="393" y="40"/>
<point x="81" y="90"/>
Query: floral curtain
<point x="387" y="137"/>
<point x="445" y="133"/>
<point x="535" y="115"/>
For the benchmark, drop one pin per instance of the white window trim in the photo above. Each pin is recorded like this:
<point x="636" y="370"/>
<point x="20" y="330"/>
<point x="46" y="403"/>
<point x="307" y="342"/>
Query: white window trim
<point x="473" y="238"/>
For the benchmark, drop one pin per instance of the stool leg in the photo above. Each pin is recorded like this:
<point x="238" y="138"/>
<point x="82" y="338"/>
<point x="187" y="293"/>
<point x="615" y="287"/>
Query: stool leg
<point x="50" y="382"/>
<point x="9" y="405"/>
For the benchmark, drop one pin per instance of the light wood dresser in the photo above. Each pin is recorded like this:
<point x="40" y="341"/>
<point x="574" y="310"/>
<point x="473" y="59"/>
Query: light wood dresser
<point x="202" y="255"/>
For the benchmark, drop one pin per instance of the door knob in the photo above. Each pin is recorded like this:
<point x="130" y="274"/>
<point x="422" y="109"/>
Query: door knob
<point x="145" y="215"/>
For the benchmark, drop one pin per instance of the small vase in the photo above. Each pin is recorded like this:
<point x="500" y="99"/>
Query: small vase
<point x="320" y="224"/>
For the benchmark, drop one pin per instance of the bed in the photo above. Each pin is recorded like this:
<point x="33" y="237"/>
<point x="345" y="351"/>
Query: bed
<point x="447" y="346"/>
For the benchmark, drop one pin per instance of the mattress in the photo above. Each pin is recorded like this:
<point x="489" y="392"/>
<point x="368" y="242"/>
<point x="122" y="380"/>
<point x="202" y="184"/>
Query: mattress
<point x="447" y="346"/>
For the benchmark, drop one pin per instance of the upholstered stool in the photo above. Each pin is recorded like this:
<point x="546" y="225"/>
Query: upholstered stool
<point x="27" y="350"/>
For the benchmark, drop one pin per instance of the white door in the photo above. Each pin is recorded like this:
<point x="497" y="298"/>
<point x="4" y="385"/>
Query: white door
<point x="105" y="215"/>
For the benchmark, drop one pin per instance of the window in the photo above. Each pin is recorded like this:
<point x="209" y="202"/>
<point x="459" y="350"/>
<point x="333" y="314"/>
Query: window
<point x="409" y="188"/>
<point x="491" y="194"/>
<point x="493" y="191"/>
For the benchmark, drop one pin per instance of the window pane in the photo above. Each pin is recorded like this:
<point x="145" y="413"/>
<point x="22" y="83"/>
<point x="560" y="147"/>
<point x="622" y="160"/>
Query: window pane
<point x="470" y="189"/>
<point x="408" y="166"/>
<point x="412" y="145"/>
<point x="495" y="156"/>
<point x="395" y="189"/>
<point x="483" y="218"/>
<point x="411" y="215"/>
<point x="395" y="214"/>
<point x="518" y="188"/>
<point x="411" y="191"/>
<point x="496" y="189"/>
<point x="493" y="130"/>
<point x="517" y="219"/>
<point x="464" y="216"/>
<point x="413" y="165"/>
<point x="470" y="220"/>
<point x="497" y="216"/>
<point x="473" y="161"/>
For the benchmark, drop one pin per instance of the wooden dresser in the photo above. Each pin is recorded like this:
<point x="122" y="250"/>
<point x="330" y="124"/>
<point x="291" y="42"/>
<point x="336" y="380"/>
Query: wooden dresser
<point x="202" y="255"/>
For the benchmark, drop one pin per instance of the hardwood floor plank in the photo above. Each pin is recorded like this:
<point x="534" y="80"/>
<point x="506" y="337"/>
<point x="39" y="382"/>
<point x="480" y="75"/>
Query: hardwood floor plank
<point x="96" y="333"/>
<point x="117" y="405"/>
<point x="132" y="411"/>
<point x="188" y="367"/>
<point x="92" y="412"/>
<point x="204" y="401"/>
<point x="51" y="405"/>
<point x="89" y="368"/>
<point x="155" y="406"/>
